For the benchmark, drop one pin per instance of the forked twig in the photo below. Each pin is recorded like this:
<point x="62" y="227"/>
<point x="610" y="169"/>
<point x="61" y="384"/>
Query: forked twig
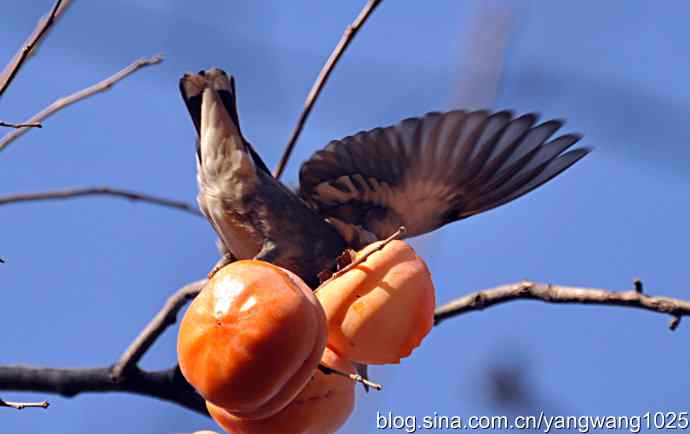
<point x="23" y="54"/>
<point x="80" y="95"/>
<point x="166" y="317"/>
<point x="321" y="80"/>
<point x="560" y="294"/>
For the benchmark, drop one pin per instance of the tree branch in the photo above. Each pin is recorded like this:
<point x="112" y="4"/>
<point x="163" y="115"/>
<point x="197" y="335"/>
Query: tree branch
<point x="99" y="191"/>
<point x="31" y="44"/>
<point x="12" y="125"/>
<point x="23" y="405"/>
<point x="322" y="78"/>
<point x="123" y="376"/>
<point x="163" y="319"/>
<point x="564" y="294"/>
<point x="78" y="96"/>
<point x="170" y="385"/>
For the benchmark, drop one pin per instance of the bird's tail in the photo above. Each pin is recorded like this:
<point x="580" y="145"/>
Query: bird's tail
<point x="212" y="103"/>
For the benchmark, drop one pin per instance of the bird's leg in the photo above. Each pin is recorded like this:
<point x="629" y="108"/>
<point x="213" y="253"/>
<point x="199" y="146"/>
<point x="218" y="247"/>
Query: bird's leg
<point x="226" y="259"/>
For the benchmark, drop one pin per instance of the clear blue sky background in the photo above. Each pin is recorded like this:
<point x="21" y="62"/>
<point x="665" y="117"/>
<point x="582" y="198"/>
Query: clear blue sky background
<point x="83" y="277"/>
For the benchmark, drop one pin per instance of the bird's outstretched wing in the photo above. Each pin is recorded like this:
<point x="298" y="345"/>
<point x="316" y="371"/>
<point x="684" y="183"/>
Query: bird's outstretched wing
<point x="429" y="171"/>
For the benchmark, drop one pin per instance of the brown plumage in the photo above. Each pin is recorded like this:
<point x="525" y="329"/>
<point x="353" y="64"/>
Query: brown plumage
<point x="429" y="171"/>
<point x="254" y="214"/>
<point x="422" y="173"/>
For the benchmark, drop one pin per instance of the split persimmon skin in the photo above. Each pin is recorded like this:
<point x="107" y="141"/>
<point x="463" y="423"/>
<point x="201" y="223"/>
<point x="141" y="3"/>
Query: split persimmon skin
<point x="380" y="311"/>
<point x="251" y="339"/>
<point x="322" y="407"/>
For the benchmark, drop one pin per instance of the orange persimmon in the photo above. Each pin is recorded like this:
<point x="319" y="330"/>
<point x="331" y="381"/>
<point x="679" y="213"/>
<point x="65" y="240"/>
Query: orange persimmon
<point x="250" y="341"/>
<point x="379" y="311"/>
<point x="322" y="407"/>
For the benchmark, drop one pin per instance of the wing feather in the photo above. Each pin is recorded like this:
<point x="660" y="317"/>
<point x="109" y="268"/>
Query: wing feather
<point x="429" y="171"/>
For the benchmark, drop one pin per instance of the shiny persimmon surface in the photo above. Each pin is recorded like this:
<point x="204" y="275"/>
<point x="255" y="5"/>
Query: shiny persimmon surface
<point x="251" y="339"/>
<point x="322" y="407"/>
<point x="380" y="311"/>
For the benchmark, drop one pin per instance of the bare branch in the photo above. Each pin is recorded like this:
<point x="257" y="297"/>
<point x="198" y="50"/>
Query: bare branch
<point x="99" y="191"/>
<point x="171" y="386"/>
<point x="23" y="405"/>
<point x="11" y="125"/>
<point x="163" y="319"/>
<point x="78" y="96"/>
<point x="563" y="294"/>
<point x="321" y="80"/>
<point x="168" y="385"/>
<point x="31" y="44"/>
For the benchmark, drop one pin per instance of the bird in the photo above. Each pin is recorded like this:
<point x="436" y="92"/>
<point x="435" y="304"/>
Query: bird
<point x="255" y="215"/>
<point x="421" y="174"/>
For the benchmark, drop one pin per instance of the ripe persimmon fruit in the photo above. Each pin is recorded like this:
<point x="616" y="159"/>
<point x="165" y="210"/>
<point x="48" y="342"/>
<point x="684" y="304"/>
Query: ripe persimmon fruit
<point x="252" y="338"/>
<point x="322" y="407"/>
<point x="380" y="310"/>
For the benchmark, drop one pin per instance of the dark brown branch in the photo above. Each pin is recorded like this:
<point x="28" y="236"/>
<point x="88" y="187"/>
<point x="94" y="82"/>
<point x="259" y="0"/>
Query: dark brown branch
<point x="168" y="385"/>
<point x="321" y="80"/>
<point x="61" y="103"/>
<point x="23" y="54"/>
<point x="163" y="319"/>
<point x="123" y="376"/>
<point x="98" y="191"/>
<point x="171" y="386"/>
<point x="563" y="294"/>
<point x="11" y="125"/>
<point x="23" y="405"/>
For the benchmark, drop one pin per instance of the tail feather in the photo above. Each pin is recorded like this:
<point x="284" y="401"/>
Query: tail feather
<point x="211" y="100"/>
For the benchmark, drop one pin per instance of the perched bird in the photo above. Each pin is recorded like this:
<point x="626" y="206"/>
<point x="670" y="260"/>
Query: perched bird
<point x="422" y="174"/>
<point x="254" y="214"/>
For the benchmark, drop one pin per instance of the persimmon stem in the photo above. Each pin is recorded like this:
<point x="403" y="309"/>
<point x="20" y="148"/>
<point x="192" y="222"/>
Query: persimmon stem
<point x="354" y="377"/>
<point x="366" y="252"/>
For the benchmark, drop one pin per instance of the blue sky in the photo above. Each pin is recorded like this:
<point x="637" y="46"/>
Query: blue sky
<point x="82" y="277"/>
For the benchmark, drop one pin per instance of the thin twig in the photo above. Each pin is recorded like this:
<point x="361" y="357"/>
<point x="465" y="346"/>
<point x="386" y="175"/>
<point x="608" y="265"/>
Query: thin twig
<point x="163" y="319"/>
<point x="354" y="377"/>
<point x="23" y="405"/>
<point x="11" y="125"/>
<point x="364" y="254"/>
<point x="562" y="294"/>
<point x="321" y="80"/>
<point x="30" y="46"/>
<point x="80" y="95"/>
<point x="99" y="191"/>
